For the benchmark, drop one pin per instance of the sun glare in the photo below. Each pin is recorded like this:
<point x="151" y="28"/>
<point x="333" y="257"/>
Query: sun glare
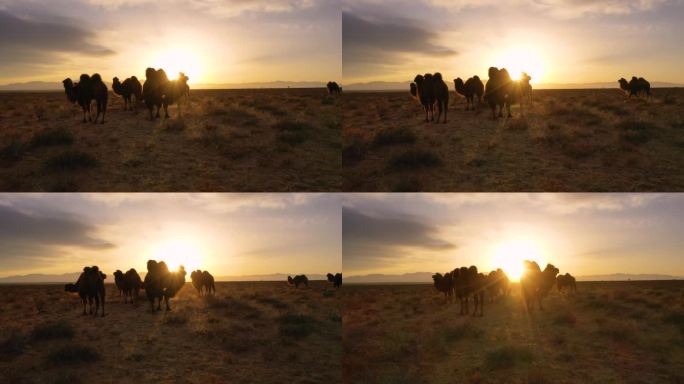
<point x="522" y="59"/>
<point x="510" y="255"/>
<point x="174" y="61"/>
<point x="179" y="252"/>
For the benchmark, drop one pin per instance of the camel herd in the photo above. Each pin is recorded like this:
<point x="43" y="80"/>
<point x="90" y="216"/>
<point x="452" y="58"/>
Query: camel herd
<point x="160" y="285"/>
<point x="333" y="88"/>
<point x="635" y="87"/>
<point x="466" y="283"/>
<point x="500" y="91"/>
<point x="157" y="91"/>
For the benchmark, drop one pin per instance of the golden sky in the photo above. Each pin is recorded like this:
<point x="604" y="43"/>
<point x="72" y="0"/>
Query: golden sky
<point x="556" y="41"/>
<point x="227" y="234"/>
<point x="584" y="234"/>
<point x="212" y="41"/>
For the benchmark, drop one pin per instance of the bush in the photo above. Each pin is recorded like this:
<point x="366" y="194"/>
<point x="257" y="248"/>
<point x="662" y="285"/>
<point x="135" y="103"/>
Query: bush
<point x="12" y="345"/>
<point x="70" y="160"/>
<point x="391" y="136"/>
<point x="508" y="356"/>
<point x="296" y="326"/>
<point x="51" y="137"/>
<point x="57" y="330"/>
<point x="354" y="151"/>
<point x="565" y="318"/>
<point x="13" y="150"/>
<point x="414" y="158"/>
<point x="292" y="132"/>
<point x="74" y="354"/>
<point x="635" y="132"/>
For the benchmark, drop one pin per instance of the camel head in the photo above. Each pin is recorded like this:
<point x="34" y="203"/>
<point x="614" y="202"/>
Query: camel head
<point x="151" y="266"/>
<point x="493" y="71"/>
<point x="118" y="274"/>
<point x="182" y="78"/>
<point x="437" y="278"/>
<point x="551" y="271"/>
<point x="418" y="79"/>
<point x="525" y="78"/>
<point x="70" y="90"/>
<point x="290" y="280"/>
<point x="330" y="277"/>
<point x="115" y="81"/>
<point x="624" y="85"/>
<point x="459" y="85"/>
<point x="150" y="73"/>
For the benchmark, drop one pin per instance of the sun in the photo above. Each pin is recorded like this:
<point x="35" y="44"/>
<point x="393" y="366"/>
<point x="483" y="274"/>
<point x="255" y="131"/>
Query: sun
<point x="174" y="61"/>
<point x="519" y="59"/>
<point x="177" y="252"/>
<point x="510" y="255"/>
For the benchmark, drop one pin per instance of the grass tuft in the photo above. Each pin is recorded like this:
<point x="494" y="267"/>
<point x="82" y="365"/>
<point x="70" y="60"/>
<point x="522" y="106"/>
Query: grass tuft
<point x="508" y="356"/>
<point x="74" y="354"/>
<point x="292" y="132"/>
<point x="296" y="326"/>
<point x="57" y="330"/>
<point x="52" y="137"/>
<point x="70" y="160"/>
<point x="392" y="136"/>
<point x="413" y="159"/>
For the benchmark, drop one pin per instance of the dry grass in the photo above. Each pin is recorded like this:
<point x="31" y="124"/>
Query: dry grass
<point x="251" y="332"/>
<point x="227" y="140"/>
<point x="567" y="140"/>
<point x="410" y="334"/>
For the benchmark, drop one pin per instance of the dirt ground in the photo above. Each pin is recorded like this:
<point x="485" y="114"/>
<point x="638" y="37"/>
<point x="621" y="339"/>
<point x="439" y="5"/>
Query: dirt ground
<point x="608" y="332"/>
<point x="567" y="140"/>
<point x="227" y="140"/>
<point x="251" y="332"/>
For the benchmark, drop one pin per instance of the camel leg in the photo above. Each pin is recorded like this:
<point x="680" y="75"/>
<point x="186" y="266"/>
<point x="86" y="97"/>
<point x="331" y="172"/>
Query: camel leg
<point x="84" y="306"/>
<point x="166" y="301"/>
<point x="426" y="113"/>
<point x="103" y="304"/>
<point x="446" y="108"/>
<point x="104" y="111"/>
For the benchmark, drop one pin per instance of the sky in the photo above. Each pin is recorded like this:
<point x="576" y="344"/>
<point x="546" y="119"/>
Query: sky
<point x="212" y="41"/>
<point x="583" y="234"/>
<point x="227" y="234"/>
<point x="555" y="41"/>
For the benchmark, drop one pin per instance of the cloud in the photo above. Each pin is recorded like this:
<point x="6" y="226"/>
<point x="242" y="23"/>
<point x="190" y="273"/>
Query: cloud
<point x="381" y="240"/>
<point x="33" y="240"/>
<point x="381" y="43"/>
<point x="220" y="8"/>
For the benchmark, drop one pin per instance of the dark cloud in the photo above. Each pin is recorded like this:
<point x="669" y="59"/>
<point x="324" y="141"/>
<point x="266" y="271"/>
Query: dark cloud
<point x="30" y="41"/>
<point x="380" y="43"/>
<point x="371" y="241"/>
<point x="30" y="236"/>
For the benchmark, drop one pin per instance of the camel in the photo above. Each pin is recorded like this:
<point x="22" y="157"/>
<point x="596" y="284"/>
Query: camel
<point x="203" y="281"/>
<point x="100" y="95"/>
<point x="502" y="91"/>
<point x="468" y="282"/>
<point x="90" y="287"/>
<point x="441" y="93"/>
<point x="129" y="88"/>
<point x="173" y="283"/>
<point x="526" y="87"/>
<point x="636" y="86"/>
<point x="536" y="284"/>
<point x="497" y="284"/>
<point x="566" y="281"/>
<point x="80" y="93"/>
<point x="333" y="88"/>
<point x="471" y="88"/>
<point x="119" y="281"/>
<point x="336" y="279"/>
<point x="152" y="91"/>
<point x="154" y="285"/>
<point x="423" y="91"/>
<point x="298" y="279"/>
<point x="495" y="92"/>
<point x="132" y="285"/>
<point x="444" y="283"/>
<point x="173" y="92"/>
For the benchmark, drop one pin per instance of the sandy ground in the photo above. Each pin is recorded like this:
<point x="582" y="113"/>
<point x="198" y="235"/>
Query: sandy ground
<point x="227" y="140"/>
<point x="253" y="332"/>
<point x="622" y="332"/>
<point x="568" y="140"/>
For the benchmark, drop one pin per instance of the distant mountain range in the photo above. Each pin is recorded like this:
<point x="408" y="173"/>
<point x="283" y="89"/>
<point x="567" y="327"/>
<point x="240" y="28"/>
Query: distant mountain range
<point x="57" y="86"/>
<point x="426" y="277"/>
<point x="39" y="278"/>
<point x="404" y="85"/>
